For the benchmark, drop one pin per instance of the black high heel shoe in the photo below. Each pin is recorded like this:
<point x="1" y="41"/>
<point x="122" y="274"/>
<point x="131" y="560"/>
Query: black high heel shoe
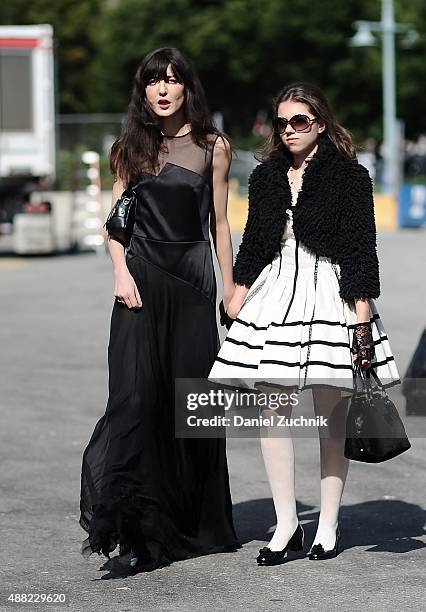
<point x="142" y="561"/>
<point x="317" y="552"/>
<point x="140" y="564"/>
<point x="275" y="557"/>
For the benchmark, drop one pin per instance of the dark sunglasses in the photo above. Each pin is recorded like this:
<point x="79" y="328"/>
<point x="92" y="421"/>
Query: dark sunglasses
<point x="299" y="123"/>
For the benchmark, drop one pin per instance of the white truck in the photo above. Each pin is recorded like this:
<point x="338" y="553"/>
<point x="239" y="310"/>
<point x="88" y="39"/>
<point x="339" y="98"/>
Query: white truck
<point x="27" y="136"/>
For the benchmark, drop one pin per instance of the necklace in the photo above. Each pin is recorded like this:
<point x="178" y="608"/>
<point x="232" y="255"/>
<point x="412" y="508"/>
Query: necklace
<point x="297" y="188"/>
<point x="292" y="169"/>
<point x="305" y="162"/>
<point x="178" y="135"/>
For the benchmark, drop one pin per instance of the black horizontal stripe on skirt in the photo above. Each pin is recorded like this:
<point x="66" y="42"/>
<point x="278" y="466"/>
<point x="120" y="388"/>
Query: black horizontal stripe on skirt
<point x="296" y="343"/>
<point x="297" y="363"/>
<point x="291" y="323"/>
<point x="243" y="343"/>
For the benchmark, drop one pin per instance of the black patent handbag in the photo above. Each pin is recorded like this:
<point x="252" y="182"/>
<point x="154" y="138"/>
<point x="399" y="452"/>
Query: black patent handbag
<point x="121" y="218"/>
<point x="374" y="429"/>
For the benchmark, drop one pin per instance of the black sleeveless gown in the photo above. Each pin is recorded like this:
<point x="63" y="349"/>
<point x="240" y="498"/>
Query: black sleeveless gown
<point x="141" y="487"/>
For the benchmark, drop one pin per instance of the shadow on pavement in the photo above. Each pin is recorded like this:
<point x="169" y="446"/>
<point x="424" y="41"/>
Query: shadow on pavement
<point x="382" y="525"/>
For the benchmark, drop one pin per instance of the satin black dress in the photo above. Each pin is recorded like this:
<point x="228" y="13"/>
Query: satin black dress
<point x="164" y="497"/>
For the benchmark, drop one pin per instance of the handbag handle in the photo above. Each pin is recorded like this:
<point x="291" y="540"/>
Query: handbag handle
<point x="376" y="378"/>
<point x="365" y="374"/>
<point x="370" y="372"/>
<point x="360" y="375"/>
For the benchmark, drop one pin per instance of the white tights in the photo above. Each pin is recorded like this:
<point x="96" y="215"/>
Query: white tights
<point x="278" y="455"/>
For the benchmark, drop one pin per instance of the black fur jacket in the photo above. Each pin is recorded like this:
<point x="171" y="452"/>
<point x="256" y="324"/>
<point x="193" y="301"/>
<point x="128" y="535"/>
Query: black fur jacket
<point x="333" y="217"/>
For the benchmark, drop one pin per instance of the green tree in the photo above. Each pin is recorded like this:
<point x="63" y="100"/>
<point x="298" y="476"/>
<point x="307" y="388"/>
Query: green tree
<point x="244" y="50"/>
<point x="74" y="23"/>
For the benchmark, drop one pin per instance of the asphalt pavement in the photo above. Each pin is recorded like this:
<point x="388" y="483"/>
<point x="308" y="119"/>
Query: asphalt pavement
<point x="54" y="335"/>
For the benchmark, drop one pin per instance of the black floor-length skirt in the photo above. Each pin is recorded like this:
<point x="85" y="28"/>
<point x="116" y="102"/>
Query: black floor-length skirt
<point x="141" y="487"/>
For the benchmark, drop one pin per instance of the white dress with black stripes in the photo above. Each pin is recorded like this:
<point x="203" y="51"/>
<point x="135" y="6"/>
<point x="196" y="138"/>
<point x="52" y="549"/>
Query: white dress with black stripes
<point x="294" y="329"/>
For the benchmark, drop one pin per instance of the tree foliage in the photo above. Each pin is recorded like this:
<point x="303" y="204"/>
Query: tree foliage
<point x="244" y="50"/>
<point x="74" y="23"/>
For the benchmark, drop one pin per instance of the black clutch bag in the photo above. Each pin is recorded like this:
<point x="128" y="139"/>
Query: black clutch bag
<point x="374" y="430"/>
<point x="119" y="223"/>
<point x="225" y="319"/>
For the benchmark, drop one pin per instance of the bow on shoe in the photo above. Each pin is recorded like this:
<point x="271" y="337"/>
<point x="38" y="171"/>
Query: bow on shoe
<point x="271" y="557"/>
<point x="317" y="549"/>
<point x="317" y="552"/>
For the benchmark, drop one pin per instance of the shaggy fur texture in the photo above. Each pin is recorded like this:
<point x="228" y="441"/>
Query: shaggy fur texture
<point x="334" y="217"/>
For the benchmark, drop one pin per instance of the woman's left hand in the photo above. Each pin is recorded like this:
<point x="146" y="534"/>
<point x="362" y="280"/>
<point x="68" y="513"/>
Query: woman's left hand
<point x="362" y="344"/>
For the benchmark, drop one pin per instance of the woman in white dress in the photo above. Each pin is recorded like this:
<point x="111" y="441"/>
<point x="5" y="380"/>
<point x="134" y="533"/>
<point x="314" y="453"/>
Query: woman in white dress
<point x="303" y="309"/>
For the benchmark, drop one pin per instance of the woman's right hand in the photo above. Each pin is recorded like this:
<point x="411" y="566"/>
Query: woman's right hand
<point x="234" y="306"/>
<point x="126" y="290"/>
<point x="236" y="301"/>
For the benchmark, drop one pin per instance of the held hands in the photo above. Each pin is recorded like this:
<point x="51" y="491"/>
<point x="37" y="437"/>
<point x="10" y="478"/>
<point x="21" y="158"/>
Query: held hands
<point x="125" y="289"/>
<point x="234" y="306"/>
<point x="362" y="344"/>
<point x="225" y="319"/>
<point x="229" y="309"/>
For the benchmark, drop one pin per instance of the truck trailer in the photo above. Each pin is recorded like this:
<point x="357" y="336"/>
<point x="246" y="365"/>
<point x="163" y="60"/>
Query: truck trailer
<point x="27" y="136"/>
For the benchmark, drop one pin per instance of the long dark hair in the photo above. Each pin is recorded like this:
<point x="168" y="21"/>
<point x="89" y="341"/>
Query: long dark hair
<point x="319" y="106"/>
<point x="140" y="140"/>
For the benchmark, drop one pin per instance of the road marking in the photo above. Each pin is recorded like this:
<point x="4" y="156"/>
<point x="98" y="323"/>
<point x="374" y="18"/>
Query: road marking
<point x="10" y="263"/>
<point x="385" y="209"/>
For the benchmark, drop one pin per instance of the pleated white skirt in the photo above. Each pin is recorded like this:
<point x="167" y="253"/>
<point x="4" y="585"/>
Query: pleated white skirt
<point x="294" y="329"/>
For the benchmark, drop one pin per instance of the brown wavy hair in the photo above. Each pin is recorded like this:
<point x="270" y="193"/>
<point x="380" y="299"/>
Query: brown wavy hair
<point x="319" y="106"/>
<point x="140" y="141"/>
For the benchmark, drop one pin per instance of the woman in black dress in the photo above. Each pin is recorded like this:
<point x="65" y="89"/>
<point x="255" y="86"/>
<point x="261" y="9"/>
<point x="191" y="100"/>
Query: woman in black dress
<point x="161" y="497"/>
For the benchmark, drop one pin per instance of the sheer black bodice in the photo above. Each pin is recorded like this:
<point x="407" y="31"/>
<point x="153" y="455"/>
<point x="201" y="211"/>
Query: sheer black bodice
<point x="172" y="217"/>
